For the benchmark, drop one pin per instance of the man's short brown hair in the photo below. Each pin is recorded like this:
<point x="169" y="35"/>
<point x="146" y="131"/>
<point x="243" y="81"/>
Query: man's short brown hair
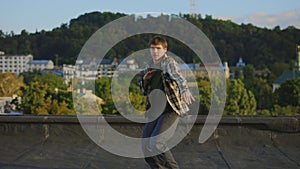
<point x="158" y="40"/>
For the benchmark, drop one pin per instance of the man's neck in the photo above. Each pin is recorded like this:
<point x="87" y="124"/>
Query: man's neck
<point x="158" y="61"/>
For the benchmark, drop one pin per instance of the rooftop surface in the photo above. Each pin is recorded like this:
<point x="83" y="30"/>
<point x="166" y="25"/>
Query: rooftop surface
<point x="286" y="75"/>
<point x="59" y="142"/>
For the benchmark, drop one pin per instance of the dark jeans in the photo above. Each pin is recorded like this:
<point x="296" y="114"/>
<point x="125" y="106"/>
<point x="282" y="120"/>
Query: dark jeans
<point x="164" y="158"/>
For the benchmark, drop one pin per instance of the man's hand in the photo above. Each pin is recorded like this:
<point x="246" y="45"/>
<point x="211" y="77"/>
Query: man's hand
<point x="188" y="97"/>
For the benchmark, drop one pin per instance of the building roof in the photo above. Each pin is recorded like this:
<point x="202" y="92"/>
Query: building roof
<point x="57" y="72"/>
<point x="240" y="63"/>
<point x="39" y="61"/>
<point x="96" y="61"/>
<point x="12" y="55"/>
<point x="288" y="74"/>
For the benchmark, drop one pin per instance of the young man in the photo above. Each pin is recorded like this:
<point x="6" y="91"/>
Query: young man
<point x="164" y="75"/>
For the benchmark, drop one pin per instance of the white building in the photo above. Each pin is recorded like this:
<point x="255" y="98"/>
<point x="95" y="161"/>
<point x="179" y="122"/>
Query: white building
<point x="14" y="63"/>
<point x="90" y="70"/>
<point x="22" y="63"/>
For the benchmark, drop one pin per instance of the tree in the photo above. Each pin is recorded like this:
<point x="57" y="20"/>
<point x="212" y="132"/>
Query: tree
<point x="137" y="100"/>
<point x="259" y="87"/>
<point x="31" y="76"/>
<point x="240" y="101"/>
<point x="35" y="99"/>
<point x="52" y="80"/>
<point x="10" y="84"/>
<point x="278" y="68"/>
<point x="103" y="90"/>
<point x="1" y="34"/>
<point x="204" y="95"/>
<point x="286" y="110"/>
<point x="249" y="72"/>
<point x="289" y="93"/>
<point x="46" y="94"/>
<point x="263" y="94"/>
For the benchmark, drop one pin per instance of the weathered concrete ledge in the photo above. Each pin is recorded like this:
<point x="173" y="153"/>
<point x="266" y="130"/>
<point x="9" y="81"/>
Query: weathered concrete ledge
<point x="59" y="142"/>
<point x="280" y="123"/>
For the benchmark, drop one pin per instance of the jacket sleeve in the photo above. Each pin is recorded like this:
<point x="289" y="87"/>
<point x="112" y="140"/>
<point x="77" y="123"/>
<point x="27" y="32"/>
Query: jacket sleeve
<point x="173" y="71"/>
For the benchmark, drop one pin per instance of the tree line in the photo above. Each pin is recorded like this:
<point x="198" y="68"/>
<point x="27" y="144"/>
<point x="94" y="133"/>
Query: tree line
<point x="261" y="47"/>
<point x="48" y="94"/>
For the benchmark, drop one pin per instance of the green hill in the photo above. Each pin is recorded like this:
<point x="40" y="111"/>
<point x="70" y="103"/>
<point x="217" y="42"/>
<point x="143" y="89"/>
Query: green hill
<point x="261" y="47"/>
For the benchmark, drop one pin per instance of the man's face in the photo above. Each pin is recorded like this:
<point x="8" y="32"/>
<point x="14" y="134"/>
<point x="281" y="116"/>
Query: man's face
<point x="157" y="52"/>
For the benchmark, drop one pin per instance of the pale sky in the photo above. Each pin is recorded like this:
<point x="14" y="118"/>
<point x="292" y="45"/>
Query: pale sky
<point x="32" y="15"/>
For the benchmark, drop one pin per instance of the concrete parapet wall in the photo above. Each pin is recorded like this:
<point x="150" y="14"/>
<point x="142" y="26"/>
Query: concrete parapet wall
<point x="59" y="142"/>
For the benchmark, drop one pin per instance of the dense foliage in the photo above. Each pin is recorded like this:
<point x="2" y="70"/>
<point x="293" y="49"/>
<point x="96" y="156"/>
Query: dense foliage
<point x="10" y="84"/>
<point x="261" y="47"/>
<point x="47" y="94"/>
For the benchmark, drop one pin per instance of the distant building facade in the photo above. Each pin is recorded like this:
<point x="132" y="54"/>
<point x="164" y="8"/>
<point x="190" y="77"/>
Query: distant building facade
<point x="90" y="70"/>
<point x="22" y="63"/>
<point x="14" y="63"/>
<point x="205" y="70"/>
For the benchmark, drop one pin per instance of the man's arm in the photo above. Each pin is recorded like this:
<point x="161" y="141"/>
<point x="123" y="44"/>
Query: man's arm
<point x="173" y="70"/>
